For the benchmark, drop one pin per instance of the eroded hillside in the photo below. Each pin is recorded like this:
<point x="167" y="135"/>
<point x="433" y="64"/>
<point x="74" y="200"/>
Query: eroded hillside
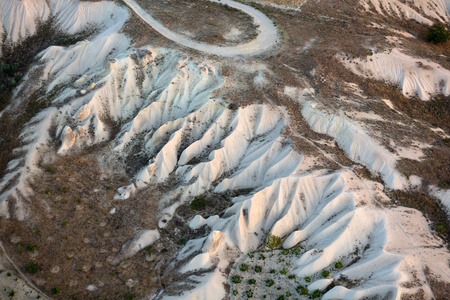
<point x="293" y="149"/>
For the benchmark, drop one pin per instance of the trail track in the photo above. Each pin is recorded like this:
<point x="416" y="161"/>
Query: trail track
<point x="267" y="38"/>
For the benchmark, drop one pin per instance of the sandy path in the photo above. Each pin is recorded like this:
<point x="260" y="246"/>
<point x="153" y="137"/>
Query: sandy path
<point x="266" y="40"/>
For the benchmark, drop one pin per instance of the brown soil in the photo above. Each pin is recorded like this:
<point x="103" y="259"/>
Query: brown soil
<point x="75" y="236"/>
<point x="440" y="289"/>
<point x="434" y="168"/>
<point x="202" y="20"/>
<point x="72" y="237"/>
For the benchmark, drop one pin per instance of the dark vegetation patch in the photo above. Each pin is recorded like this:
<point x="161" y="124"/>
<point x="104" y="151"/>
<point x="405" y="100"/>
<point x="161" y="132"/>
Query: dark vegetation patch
<point x="15" y="62"/>
<point x="430" y="208"/>
<point x="436" y="111"/>
<point x="441" y="289"/>
<point x="438" y="34"/>
<point x="434" y="167"/>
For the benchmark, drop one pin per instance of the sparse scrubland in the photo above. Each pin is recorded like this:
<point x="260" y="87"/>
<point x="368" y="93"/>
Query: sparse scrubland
<point x="135" y="167"/>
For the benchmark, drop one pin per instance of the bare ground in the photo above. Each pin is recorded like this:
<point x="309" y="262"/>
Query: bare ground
<point x="203" y="20"/>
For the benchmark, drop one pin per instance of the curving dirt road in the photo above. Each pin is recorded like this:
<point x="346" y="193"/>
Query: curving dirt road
<point x="266" y="40"/>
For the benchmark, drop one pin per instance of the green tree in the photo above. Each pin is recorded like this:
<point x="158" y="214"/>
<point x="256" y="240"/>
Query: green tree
<point x="438" y="34"/>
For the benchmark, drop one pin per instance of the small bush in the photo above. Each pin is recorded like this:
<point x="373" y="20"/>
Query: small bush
<point x="198" y="203"/>
<point x="288" y="294"/>
<point x="258" y="269"/>
<point x="325" y="273"/>
<point x="307" y="279"/>
<point x="12" y="293"/>
<point x="440" y="228"/>
<point x="235" y="292"/>
<point x="284" y="271"/>
<point x="31" y="248"/>
<point x="249" y="294"/>
<point x="296" y="251"/>
<point x="252" y="281"/>
<point x="236" y="279"/>
<point x="272" y="271"/>
<point x="130" y="296"/>
<point x="269" y="282"/>
<point x="273" y="242"/>
<point x="316" y="294"/>
<point x="149" y="250"/>
<point x="438" y="34"/>
<point x="182" y="242"/>
<point x="292" y="276"/>
<point x="56" y="290"/>
<point x="285" y="252"/>
<point x="243" y="267"/>
<point x="261" y="257"/>
<point x="280" y="297"/>
<point x="338" y="265"/>
<point x="32" y="268"/>
<point x="251" y="255"/>
<point x="304" y="291"/>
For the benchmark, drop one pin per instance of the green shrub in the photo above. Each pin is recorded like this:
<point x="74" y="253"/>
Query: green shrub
<point x="325" y="273"/>
<point x="261" y="257"/>
<point x="235" y="292"/>
<point x="296" y="251"/>
<point x="273" y="242"/>
<point x="316" y="294"/>
<point x="438" y="34"/>
<point x="269" y="282"/>
<point x="249" y="294"/>
<point x="236" y="279"/>
<point x="12" y="293"/>
<point x="252" y="281"/>
<point x="32" y="268"/>
<point x="285" y="252"/>
<point x="307" y="279"/>
<point x="258" y="269"/>
<point x="31" y="248"/>
<point x="280" y="297"/>
<point x="440" y="228"/>
<point x="292" y="276"/>
<point x="243" y="267"/>
<point x="182" y="242"/>
<point x="56" y="290"/>
<point x="304" y="291"/>
<point x="284" y="271"/>
<point x="288" y="294"/>
<point x="198" y="203"/>
<point x="149" y="250"/>
<point x="272" y="271"/>
<point x="338" y="264"/>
